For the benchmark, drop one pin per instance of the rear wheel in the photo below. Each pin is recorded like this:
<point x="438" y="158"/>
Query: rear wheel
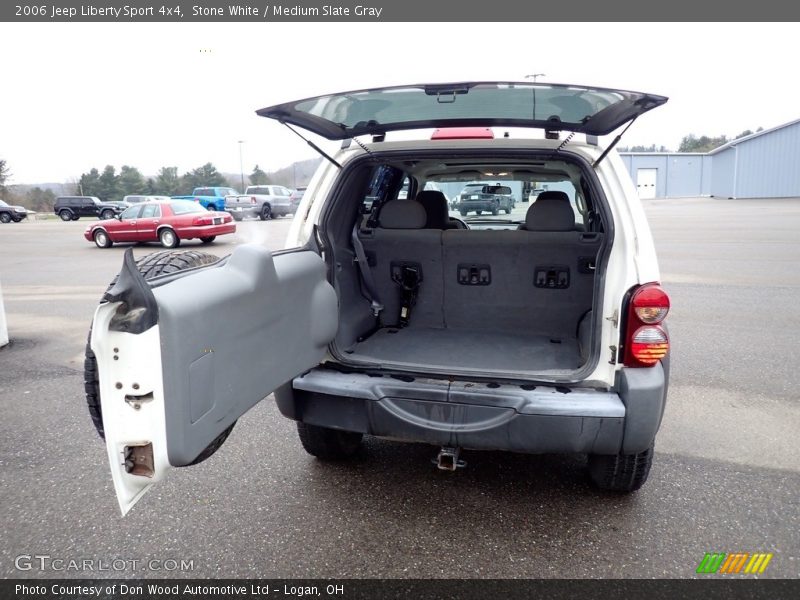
<point x="5" y="218"/>
<point x="208" y="240"/>
<point x="211" y="207"/>
<point x="266" y="212"/>
<point x="620" y="472"/>
<point x="463" y="212"/>
<point x="101" y="239"/>
<point x="152" y="265"/>
<point x="168" y="238"/>
<point x="65" y="215"/>
<point x="328" y="444"/>
<point x="495" y="209"/>
<point x="107" y="214"/>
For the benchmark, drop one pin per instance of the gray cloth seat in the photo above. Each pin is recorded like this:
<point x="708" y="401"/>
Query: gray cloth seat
<point x="438" y="215"/>
<point x="550" y="212"/>
<point x="401" y="238"/>
<point x="511" y="302"/>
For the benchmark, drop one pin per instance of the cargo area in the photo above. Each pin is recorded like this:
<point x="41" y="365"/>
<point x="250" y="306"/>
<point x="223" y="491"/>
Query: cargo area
<point x="497" y="294"/>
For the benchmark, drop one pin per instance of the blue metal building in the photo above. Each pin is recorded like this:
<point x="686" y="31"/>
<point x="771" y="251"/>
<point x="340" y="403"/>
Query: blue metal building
<point x="762" y="165"/>
<point x="669" y="174"/>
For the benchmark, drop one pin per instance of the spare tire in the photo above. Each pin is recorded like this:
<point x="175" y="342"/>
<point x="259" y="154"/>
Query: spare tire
<point x="152" y="265"/>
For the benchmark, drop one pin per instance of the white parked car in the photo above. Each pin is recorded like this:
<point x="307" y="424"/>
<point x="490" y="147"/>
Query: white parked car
<point x="541" y="335"/>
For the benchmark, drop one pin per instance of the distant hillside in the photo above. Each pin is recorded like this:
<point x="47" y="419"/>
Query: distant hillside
<point x="295" y="175"/>
<point x="59" y="189"/>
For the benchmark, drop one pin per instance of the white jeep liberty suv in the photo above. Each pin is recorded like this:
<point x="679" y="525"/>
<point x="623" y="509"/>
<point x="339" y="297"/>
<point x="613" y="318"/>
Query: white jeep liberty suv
<point x="540" y="331"/>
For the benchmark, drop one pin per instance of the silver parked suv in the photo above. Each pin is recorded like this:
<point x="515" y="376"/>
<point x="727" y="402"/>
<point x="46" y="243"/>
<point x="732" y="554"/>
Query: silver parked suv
<point x="538" y="331"/>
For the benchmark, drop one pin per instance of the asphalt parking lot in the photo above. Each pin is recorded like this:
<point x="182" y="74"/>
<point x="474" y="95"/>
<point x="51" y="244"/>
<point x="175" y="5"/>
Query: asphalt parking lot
<point x="726" y="477"/>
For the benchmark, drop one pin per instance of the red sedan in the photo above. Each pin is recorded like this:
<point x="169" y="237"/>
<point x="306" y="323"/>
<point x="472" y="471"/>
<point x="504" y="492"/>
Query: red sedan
<point x="165" y="222"/>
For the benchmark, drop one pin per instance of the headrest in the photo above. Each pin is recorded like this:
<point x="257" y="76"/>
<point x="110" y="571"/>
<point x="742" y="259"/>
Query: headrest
<point x="435" y="205"/>
<point x="551" y="212"/>
<point x="403" y="214"/>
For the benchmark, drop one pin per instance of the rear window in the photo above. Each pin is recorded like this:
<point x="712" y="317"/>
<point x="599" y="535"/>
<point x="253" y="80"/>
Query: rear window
<point x="184" y="207"/>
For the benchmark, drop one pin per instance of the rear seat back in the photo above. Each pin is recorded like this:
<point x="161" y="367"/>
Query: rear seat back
<point x="401" y="239"/>
<point x="512" y="301"/>
<point x="507" y="280"/>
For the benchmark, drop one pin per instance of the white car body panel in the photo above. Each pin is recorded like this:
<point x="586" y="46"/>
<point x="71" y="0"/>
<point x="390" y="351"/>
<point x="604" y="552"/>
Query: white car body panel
<point x="123" y="423"/>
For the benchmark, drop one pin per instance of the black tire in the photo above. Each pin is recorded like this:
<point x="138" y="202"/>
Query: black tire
<point x="65" y="215"/>
<point x="478" y="212"/>
<point x="211" y="207"/>
<point x="620" y="472"/>
<point x="152" y="265"/>
<point x="107" y="214"/>
<point x="495" y="209"/>
<point x="168" y="238"/>
<point x="463" y="212"/>
<point x="266" y="212"/>
<point x="5" y="217"/>
<point x="507" y="211"/>
<point x="75" y="217"/>
<point x="16" y="220"/>
<point x="102" y="240"/>
<point x="328" y="444"/>
<point x="208" y="240"/>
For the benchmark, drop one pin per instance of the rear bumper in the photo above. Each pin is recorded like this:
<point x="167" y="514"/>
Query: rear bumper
<point x="206" y="230"/>
<point x="477" y="205"/>
<point x="242" y="211"/>
<point x="473" y="415"/>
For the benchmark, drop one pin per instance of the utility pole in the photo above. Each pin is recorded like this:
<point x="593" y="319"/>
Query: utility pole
<point x="241" y="166"/>
<point x="534" y="76"/>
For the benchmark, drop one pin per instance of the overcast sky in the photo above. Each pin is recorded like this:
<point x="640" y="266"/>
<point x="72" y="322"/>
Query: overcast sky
<point x="78" y="95"/>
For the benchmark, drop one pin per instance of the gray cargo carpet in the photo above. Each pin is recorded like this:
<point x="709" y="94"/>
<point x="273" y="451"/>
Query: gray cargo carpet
<point x="479" y="350"/>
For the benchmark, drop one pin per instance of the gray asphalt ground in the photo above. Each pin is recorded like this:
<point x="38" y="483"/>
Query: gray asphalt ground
<point x="726" y="477"/>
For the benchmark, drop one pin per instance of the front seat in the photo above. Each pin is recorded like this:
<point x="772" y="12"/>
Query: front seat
<point x="435" y="205"/>
<point x="551" y="212"/>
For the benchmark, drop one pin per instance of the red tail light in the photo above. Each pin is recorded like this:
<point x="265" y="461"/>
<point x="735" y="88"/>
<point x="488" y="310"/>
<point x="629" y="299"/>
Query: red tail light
<point x="209" y="220"/>
<point x="646" y="342"/>
<point x="252" y="199"/>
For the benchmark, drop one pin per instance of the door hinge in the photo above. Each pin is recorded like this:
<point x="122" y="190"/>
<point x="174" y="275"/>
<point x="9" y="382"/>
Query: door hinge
<point x="614" y="318"/>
